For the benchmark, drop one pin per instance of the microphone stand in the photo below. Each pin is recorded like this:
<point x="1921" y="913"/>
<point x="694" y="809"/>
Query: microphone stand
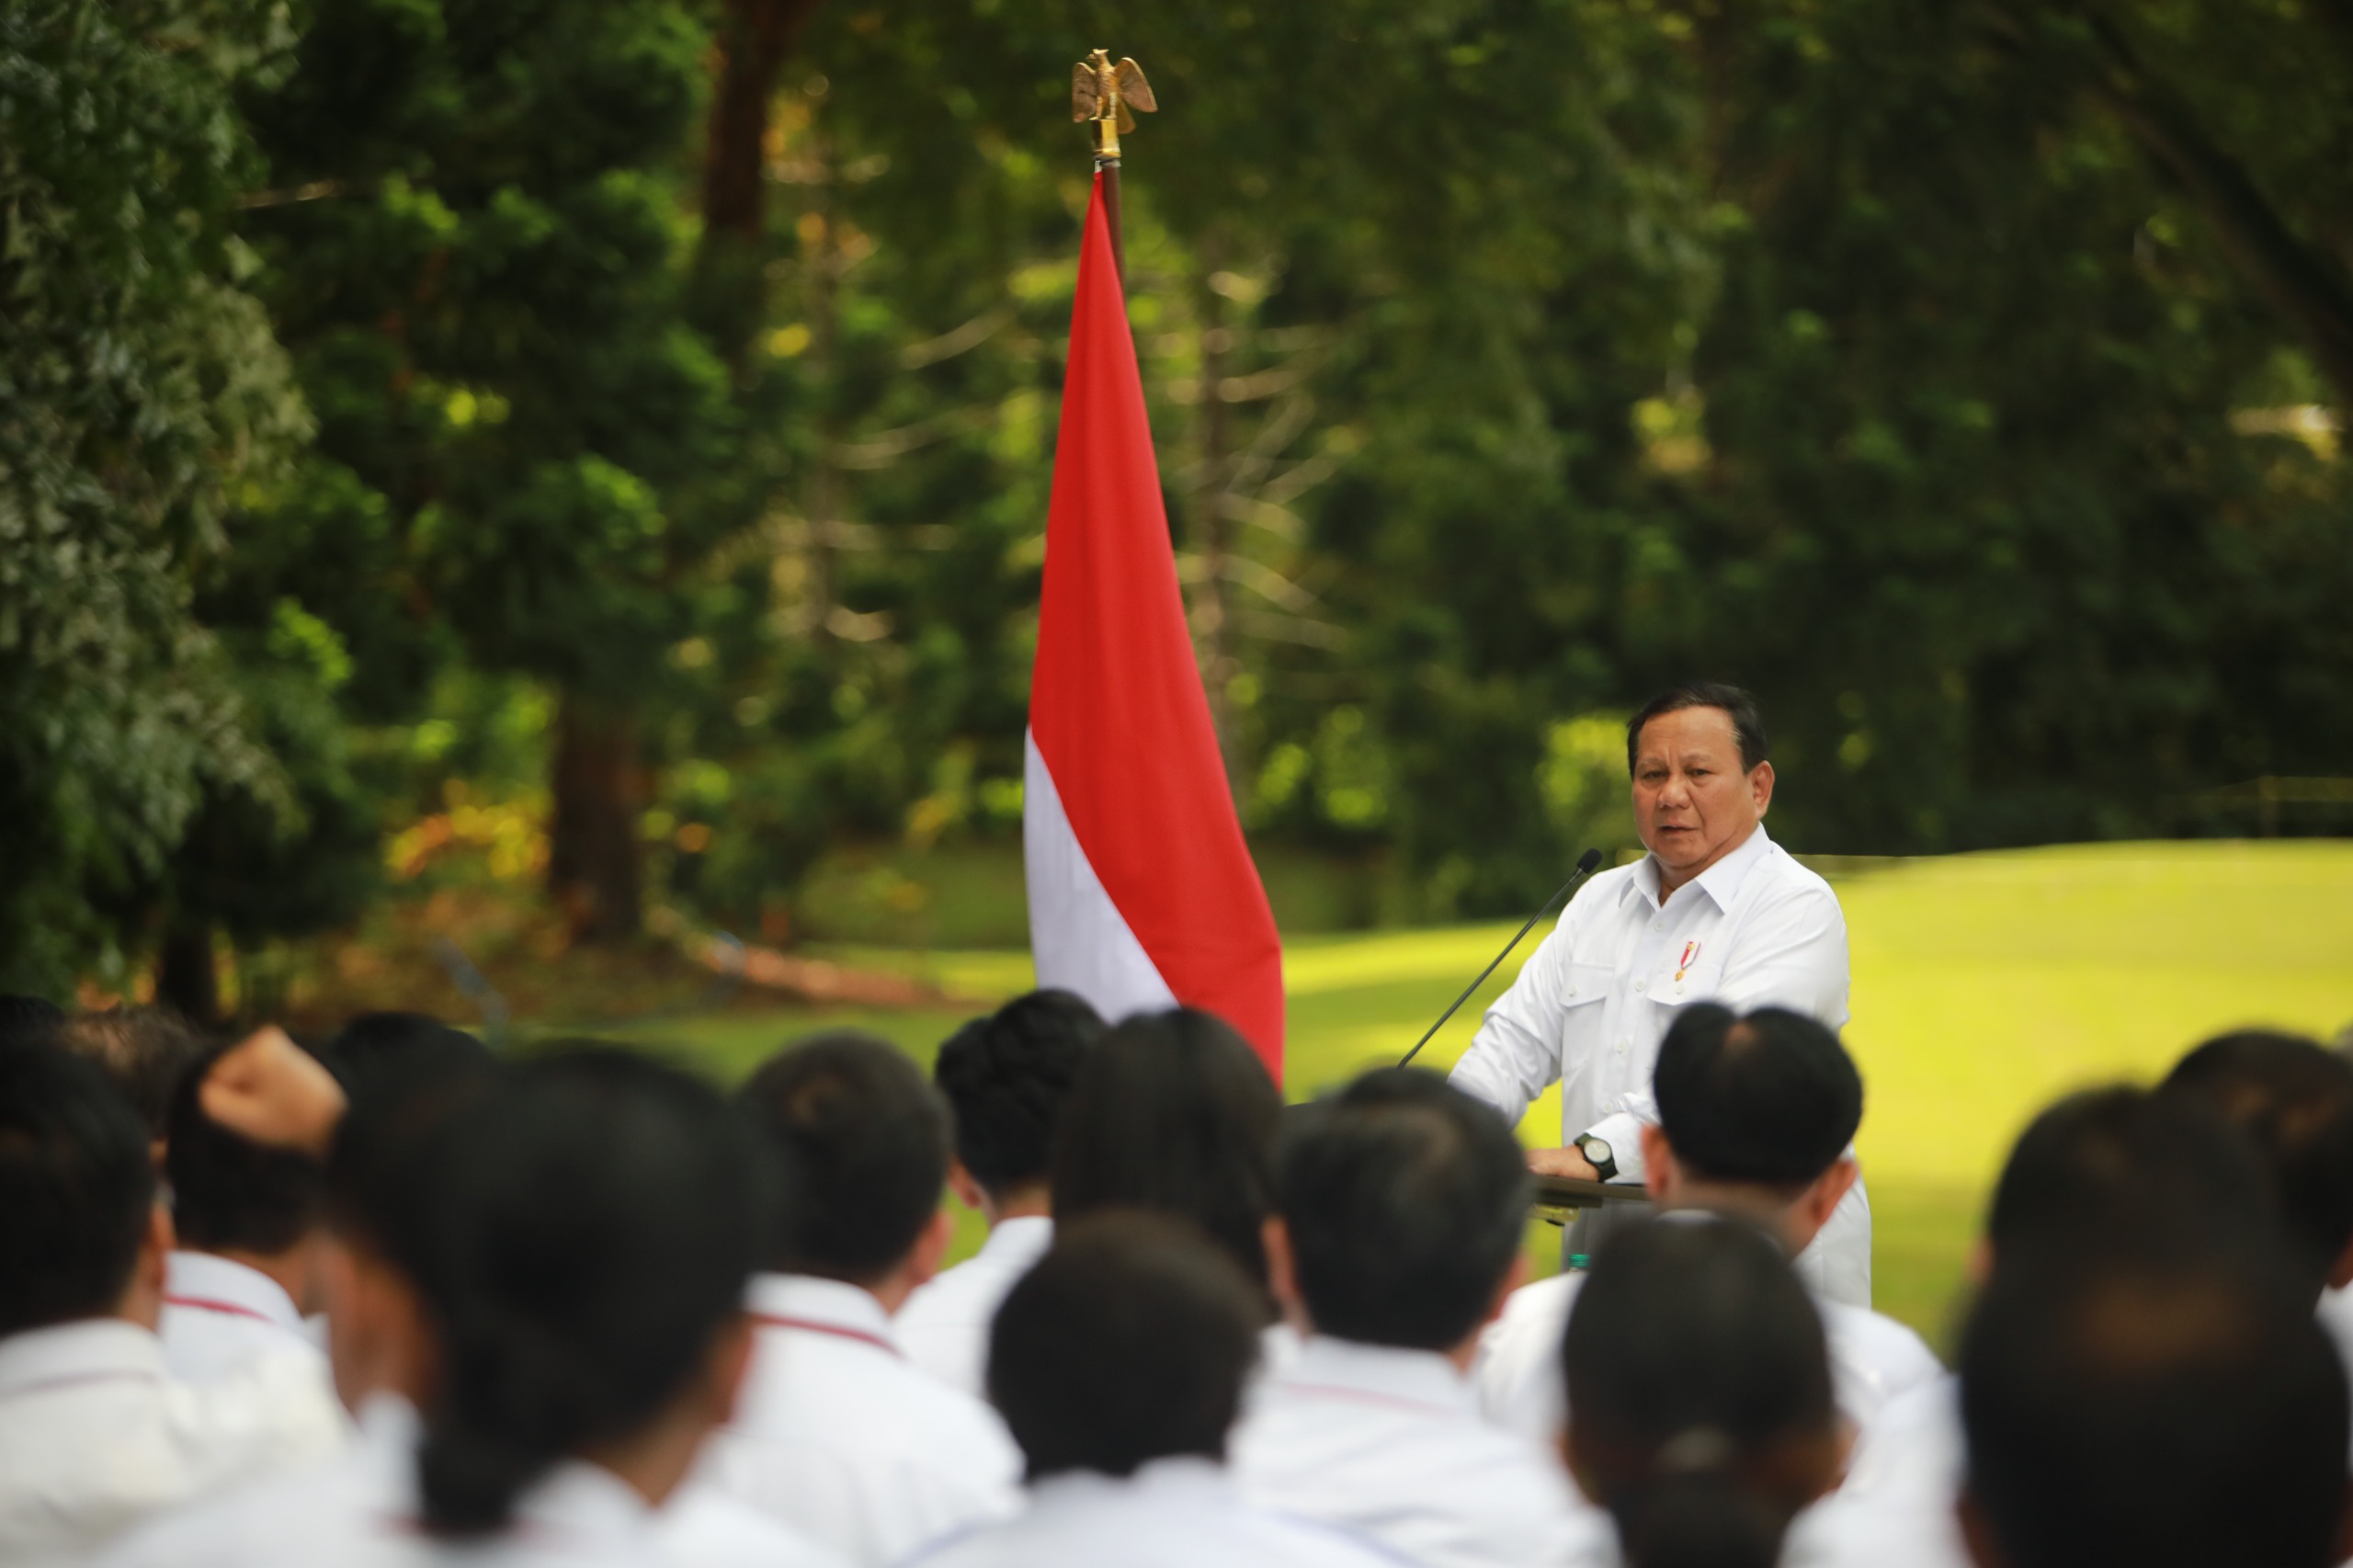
<point x="1585" y="863"/>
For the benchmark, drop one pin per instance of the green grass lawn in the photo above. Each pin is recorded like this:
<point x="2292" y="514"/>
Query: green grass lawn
<point x="1984" y="985"/>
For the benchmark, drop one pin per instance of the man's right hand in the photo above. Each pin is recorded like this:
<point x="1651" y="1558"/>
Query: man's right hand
<point x="1562" y="1162"/>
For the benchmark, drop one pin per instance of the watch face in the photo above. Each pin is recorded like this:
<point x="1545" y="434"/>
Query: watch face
<point x="1596" y="1151"/>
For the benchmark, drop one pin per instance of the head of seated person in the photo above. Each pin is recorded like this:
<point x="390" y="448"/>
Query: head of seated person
<point x="1700" y="1387"/>
<point x="379" y="1214"/>
<point x="1173" y="1113"/>
<point x="1007" y="1078"/>
<point x="28" y="1020"/>
<point x="2123" y="1159"/>
<point x="1130" y="1342"/>
<point x="1401" y="1201"/>
<point x="144" y="1053"/>
<point x="864" y="1140"/>
<point x="595" y="1219"/>
<point x="81" y="1234"/>
<point x="1758" y="1113"/>
<point x="253" y="1204"/>
<point x="2292" y="1098"/>
<point x="377" y="1044"/>
<point x="2151" y="1399"/>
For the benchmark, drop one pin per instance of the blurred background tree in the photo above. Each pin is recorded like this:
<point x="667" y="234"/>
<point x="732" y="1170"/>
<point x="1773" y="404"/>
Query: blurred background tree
<point x="1964" y="377"/>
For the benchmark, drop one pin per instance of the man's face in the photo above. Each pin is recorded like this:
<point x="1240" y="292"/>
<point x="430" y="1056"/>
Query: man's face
<point x="1693" y="801"/>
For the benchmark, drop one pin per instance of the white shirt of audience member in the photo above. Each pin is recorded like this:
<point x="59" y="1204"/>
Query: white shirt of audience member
<point x="1390" y="1443"/>
<point x="95" y="1433"/>
<point x="944" y="1327"/>
<point x="1173" y="1513"/>
<point x="1874" y="1360"/>
<point x="359" y="1510"/>
<point x="1591" y="1005"/>
<point x="838" y="1434"/>
<point x="219" y="1314"/>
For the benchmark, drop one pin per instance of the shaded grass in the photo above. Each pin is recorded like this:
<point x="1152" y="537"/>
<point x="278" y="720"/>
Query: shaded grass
<point x="1984" y="986"/>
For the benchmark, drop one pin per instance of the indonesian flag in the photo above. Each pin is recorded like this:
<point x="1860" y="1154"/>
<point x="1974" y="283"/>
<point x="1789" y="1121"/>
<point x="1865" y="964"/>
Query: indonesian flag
<point x="1141" y="892"/>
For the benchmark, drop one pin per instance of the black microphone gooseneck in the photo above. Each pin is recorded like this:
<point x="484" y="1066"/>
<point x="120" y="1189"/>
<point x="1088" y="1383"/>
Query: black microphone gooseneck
<point x="1585" y="863"/>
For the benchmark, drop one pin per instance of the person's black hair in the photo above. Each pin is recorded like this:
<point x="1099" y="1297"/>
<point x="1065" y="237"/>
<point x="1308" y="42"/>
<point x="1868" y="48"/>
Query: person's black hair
<point x="144" y="1053"/>
<point x="378" y="1194"/>
<point x="2125" y="1158"/>
<point x="865" y="1141"/>
<point x="229" y="1193"/>
<point x="1129" y="1342"/>
<point x="2144" y="1401"/>
<point x="1768" y="1097"/>
<point x="1699" y="1392"/>
<point x="595" y="1218"/>
<point x="1173" y="1113"/>
<point x="28" y="1020"/>
<point x="1405" y="1201"/>
<point x="388" y="1042"/>
<point x="1006" y="1076"/>
<point x="76" y="1190"/>
<point x="1748" y="723"/>
<point x="2293" y="1100"/>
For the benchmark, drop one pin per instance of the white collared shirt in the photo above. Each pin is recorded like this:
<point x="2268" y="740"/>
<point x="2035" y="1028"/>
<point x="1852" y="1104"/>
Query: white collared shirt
<point x="839" y="1436"/>
<point x="95" y="1434"/>
<point x="219" y="1314"/>
<point x="1390" y="1443"/>
<point x="944" y="1327"/>
<point x="359" y="1509"/>
<point x="1173" y="1513"/>
<point x="1592" y="1002"/>
<point x="1874" y="1360"/>
<point x="1895" y="1508"/>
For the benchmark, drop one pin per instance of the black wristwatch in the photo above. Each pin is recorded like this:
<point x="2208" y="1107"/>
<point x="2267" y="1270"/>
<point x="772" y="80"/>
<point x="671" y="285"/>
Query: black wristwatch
<point x="1597" y="1154"/>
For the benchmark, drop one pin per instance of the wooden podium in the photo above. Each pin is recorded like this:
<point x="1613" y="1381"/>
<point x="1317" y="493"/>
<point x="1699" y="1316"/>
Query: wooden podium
<point x="1561" y="1195"/>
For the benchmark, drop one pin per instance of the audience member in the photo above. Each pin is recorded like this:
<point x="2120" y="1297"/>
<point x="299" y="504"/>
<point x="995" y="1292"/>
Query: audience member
<point x="28" y="1020"/>
<point x="245" y="1271"/>
<point x="1402" y="1202"/>
<point x="2137" y="1405"/>
<point x="1119" y="1362"/>
<point x="144" y="1053"/>
<point x="2097" y="1164"/>
<point x="837" y="1433"/>
<point x="1005" y="1078"/>
<point x="370" y="1044"/>
<point x="1173" y="1113"/>
<point x="93" y="1431"/>
<point x="1758" y="1115"/>
<point x="1699" y="1390"/>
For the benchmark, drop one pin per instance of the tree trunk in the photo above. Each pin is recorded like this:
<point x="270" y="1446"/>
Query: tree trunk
<point x="755" y="38"/>
<point x="186" y="979"/>
<point x="595" y="863"/>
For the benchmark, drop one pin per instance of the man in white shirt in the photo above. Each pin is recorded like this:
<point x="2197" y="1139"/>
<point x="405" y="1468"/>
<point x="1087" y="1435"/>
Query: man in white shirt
<point x="1715" y="912"/>
<point x="2094" y="1165"/>
<point x="93" y="1431"/>
<point x="837" y="1432"/>
<point x="1756" y="1115"/>
<point x="1401" y="1206"/>
<point x="1119" y="1362"/>
<point x="245" y="1271"/>
<point x="1005" y="1078"/>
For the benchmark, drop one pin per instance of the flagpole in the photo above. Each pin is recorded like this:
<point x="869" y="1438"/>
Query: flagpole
<point x="1105" y="95"/>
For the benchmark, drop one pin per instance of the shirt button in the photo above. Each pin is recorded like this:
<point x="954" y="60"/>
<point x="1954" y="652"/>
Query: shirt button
<point x="1658" y="925"/>
<point x="1572" y="990"/>
<point x="1639" y="985"/>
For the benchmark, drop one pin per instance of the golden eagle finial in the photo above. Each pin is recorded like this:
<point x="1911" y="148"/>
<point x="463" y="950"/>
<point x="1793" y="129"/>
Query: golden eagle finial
<point x="1105" y="93"/>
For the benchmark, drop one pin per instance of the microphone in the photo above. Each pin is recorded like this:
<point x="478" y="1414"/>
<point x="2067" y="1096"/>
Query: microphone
<point x="1585" y="863"/>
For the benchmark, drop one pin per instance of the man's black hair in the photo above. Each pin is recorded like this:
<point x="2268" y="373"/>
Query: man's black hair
<point x="391" y="1140"/>
<point x="2293" y="1100"/>
<point x="1770" y="1097"/>
<point x="229" y="1193"/>
<point x="1005" y="1077"/>
<point x="144" y="1053"/>
<point x="1405" y="1199"/>
<point x="1173" y="1113"/>
<point x="76" y="1190"/>
<point x="1748" y="723"/>
<point x="865" y="1144"/>
<point x="2125" y="1159"/>
<point x="1129" y="1342"/>
<point x="370" y="1044"/>
<point x="28" y="1020"/>
<point x="2144" y="1401"/>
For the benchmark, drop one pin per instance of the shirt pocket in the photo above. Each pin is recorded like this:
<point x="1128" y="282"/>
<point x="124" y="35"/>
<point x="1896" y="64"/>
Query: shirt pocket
<point x="1698" y="983"/>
